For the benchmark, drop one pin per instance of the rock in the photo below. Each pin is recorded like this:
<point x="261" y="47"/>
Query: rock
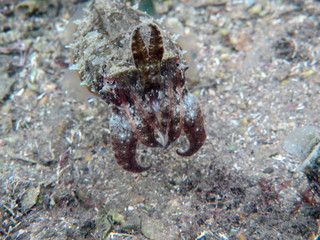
<point x="6" y="84"/>
<point x="30" y="198"/>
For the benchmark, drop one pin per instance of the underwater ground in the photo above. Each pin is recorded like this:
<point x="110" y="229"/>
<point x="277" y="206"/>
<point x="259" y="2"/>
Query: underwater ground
<point x="254" y="66"/>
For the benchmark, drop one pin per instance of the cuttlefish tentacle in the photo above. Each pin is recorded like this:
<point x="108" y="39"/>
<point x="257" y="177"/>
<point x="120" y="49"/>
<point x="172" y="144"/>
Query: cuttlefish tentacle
<point x="124" y="143"/>
<point x="193" y="125"/>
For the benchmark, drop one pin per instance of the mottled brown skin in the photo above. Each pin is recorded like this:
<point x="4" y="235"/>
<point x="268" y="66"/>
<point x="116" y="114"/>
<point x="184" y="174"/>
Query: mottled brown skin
<point x="156" y="90"/>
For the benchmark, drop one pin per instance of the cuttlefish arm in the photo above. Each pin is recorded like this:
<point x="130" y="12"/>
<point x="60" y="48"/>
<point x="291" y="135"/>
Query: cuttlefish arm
<point x="193" y="125"/>
<point x="124" y="143"/>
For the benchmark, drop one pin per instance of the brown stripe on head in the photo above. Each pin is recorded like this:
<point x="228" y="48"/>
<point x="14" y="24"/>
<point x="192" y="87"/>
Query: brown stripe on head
<point x="147" y="52"/>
